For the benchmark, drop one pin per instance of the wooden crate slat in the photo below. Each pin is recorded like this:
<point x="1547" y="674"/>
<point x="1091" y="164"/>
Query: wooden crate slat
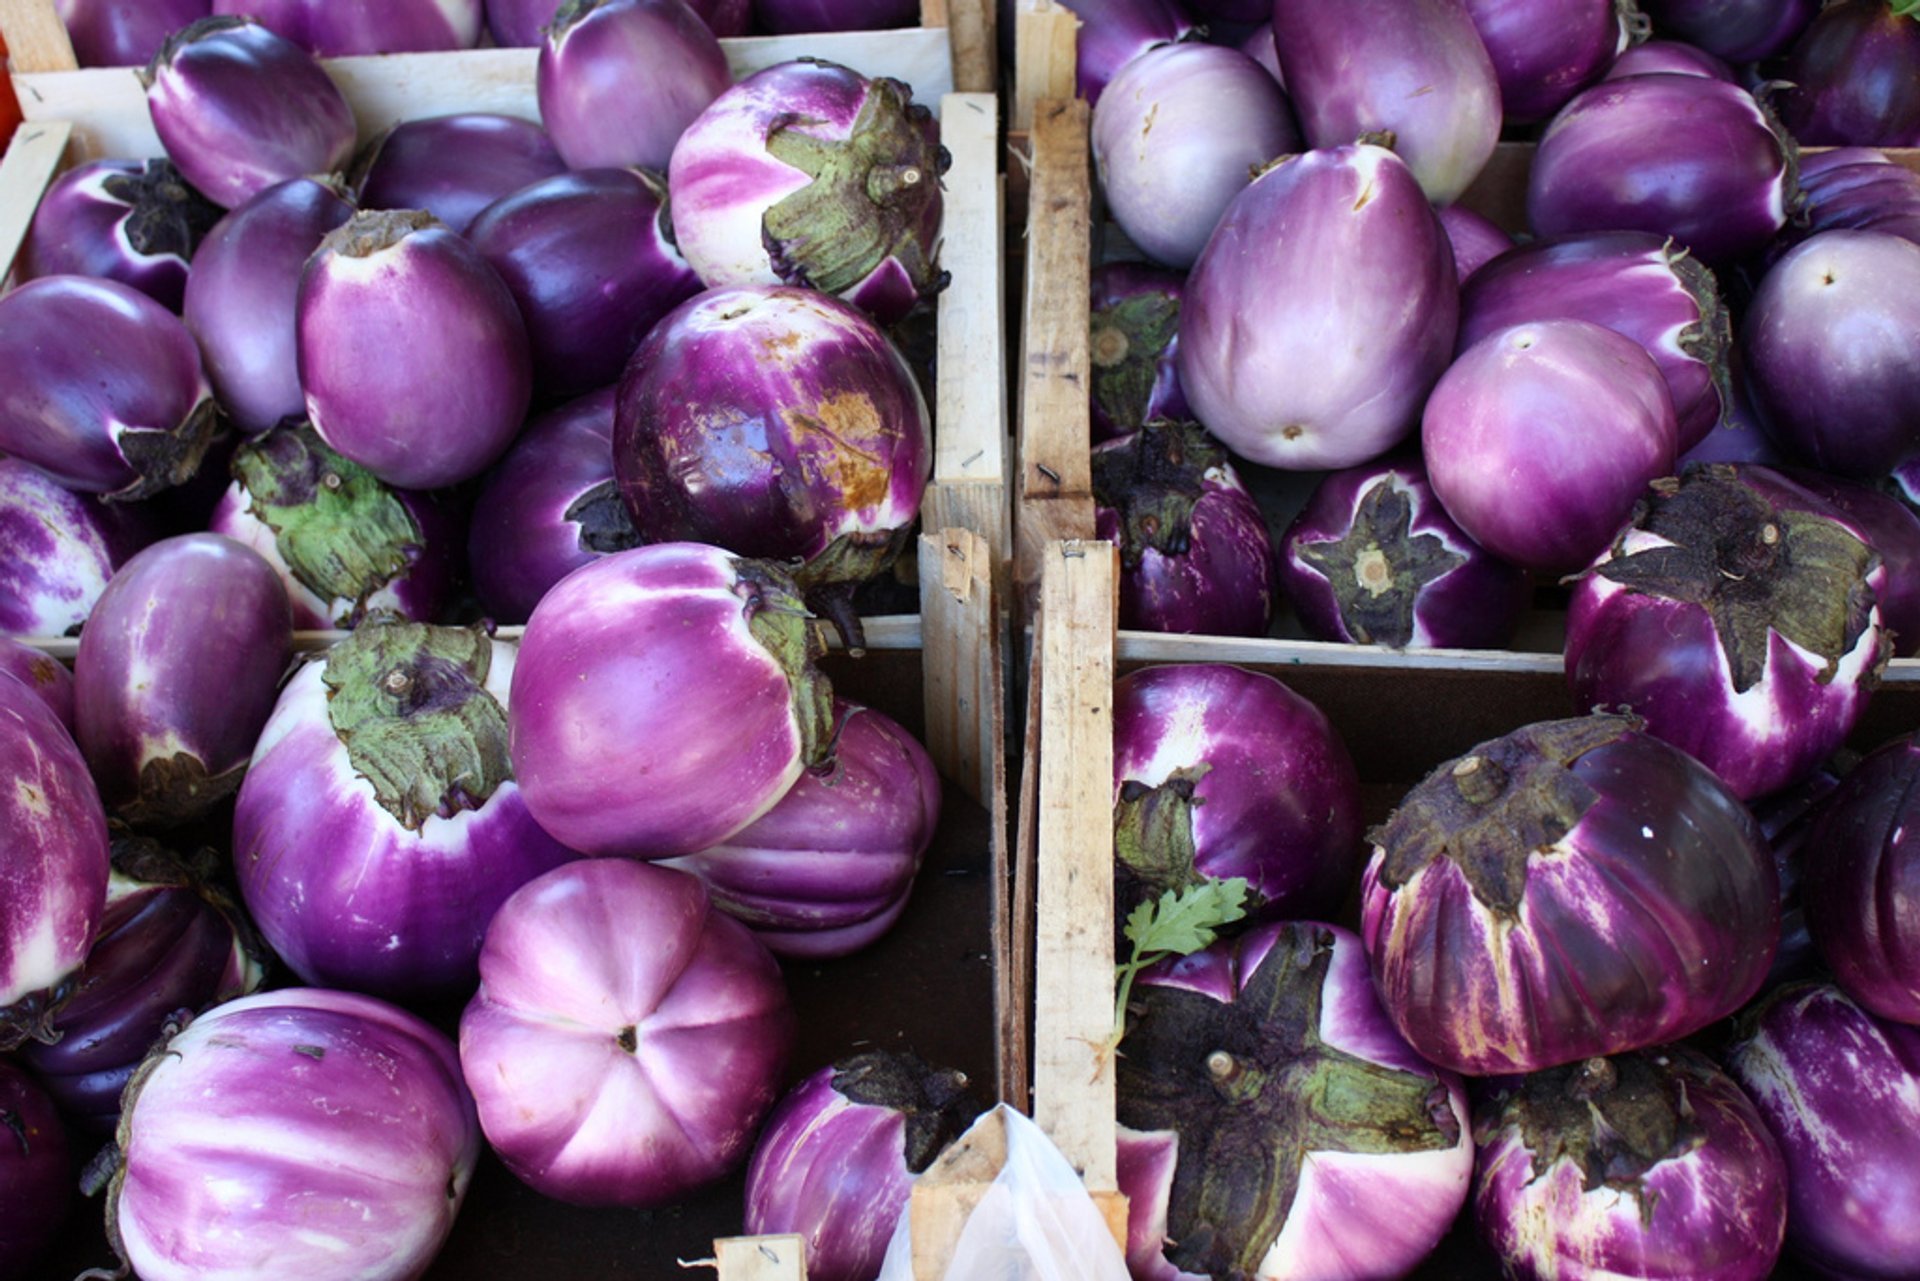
<point x="33" y="158"/>
<point x="957" y="626"/>
<point x="1046" y="38"/>
<point x="766" y="1258"/>
<point x="36" y="37"/>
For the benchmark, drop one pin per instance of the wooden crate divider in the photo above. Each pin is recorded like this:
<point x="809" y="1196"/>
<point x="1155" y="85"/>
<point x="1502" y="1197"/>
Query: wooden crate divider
<point x="1046" y="37"/>
<point x="766" y="1258"/>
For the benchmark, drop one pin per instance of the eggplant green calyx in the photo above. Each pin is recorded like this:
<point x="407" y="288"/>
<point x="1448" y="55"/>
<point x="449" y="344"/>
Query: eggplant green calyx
<point x="605" y="525"/>
<point x="164" y="215"/>
<point x="1178" y="923"/>
<point x="1709" y="339"/>
<point x="1153" y="480"/>
<point x="1250" y="1090"/>
<point x="1153" y="833"/>
<point x="192" y="33"/>
<point x="373" y="231"/>
<point x="934" y="1103"/>
<point x="1378" y="569"/>
<point x="176" y="789"/>
<point x="1755" y="568"/>
<point x="783" y="625"/>
<point x="1127" y="342"/>
<point x="409" y="701"/>
<point x="343" y="532"/>
<point x="1905" y="8"/>
<point x="161" y="459"/>
<point x="828" y="579"/>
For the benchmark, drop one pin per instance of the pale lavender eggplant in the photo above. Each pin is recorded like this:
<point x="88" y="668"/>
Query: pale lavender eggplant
<point x="781" y="17"/>
<point x="620" y="80"/>
<point x="1259" y="46"/>
<point x="1892" y="529"/>
<point x="1632" y="282"/>
<point x="1540" y="438"/>
<point x="1736" y="30"/>
<point x="1658" y="56"/>
<point x="1650" y="1165"/>
<point x="664" y="698"/>
<point x="589" y="257"/>
<point x="1175" y="137"/>
<point x="824" y="454"/>
<point x="1840" y="1090"/>
<point x="1476" y="239"/>
<point x="124" y="33"/>
<point x="240" y="297"/>
<point x="1231" y="1058"/>
<point x="1853" y="77"/>
<point x="547" y="508"/>
<point x="1544" y="53"/>
<point x="1195" y="554"/>
<point x="627" y="1038"/>
<point x="42" y="673"/>
<point x="176" y="674"/>
<point x="413" y="358"/>
<point x="1827" y="342"/>
<point x="828" y="869"/>
<point x="379" y="826"/>
<point x="58" y="549"/>
<point x="748" y="208"/>
<point x="240" y="109"/>
<point x="1373" y="559"/>
<point x="1761" y="678"/>
<point x="344" y="544"/>
<point x="1414" y="68"/>
<point x="1113" y="33"/>
<point x="294" y="1133"/>
<point x="333" y="29"/>
<point x="1720" y="181"/>
<point x="1219" y="772"/>
<point x="1572" y="889"/>
<point x="1133" y="341"/>
<point x="837" y="1158"/>
<point x="36" y="1173"/>
<point x="1314" y="349"/>
<point x="137" y="223"/>
<point x="101" y="387"/>
<point x="455" y="166"/>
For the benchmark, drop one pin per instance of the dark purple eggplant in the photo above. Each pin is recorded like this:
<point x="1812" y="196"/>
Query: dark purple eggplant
<point x="620" y="80"/>
<point x="781" y="17"/>
<point x="455" y="166"/>
<point x="124" y="33"/>
<point x="1545" y="52"/>
<point x="328" y="29"/>
<point x="36" y="1174"/>
<point x="1736" y="30"/>
<point x="135" y="223"/>
<point x="1853" y="77"/>
<point x="1476" y="239"/>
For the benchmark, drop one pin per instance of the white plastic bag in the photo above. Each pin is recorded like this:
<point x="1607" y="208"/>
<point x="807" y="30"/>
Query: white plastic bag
<point x="1035" y="1223"/>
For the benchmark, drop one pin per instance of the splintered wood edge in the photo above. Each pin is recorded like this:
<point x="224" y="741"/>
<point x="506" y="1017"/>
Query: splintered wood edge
<point x="763" y="1258"/>
<point x="1046" y="39"/>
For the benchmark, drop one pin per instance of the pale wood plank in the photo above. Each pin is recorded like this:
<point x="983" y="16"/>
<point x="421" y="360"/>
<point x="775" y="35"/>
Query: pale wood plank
<point x="1045" y="45"/>
<point x="978" y="505"/>
<point x="36" y="38"/>
<point x="948" y="1191"/>
<point x="1025" y="859"/>
<point x="958" y="628"/>
<point x="766" y="1258"/>
<point x="33" y="158"/>
<point x="973" y="26"/>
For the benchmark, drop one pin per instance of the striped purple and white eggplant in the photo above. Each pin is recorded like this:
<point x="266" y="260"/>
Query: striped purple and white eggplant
<point x="294" y="1133"/>
<point x="170" y="941"/>
<point x="1176" y="136"/>
<point x="1133" y="342"/>
<point x="1220" y="772"/>
<point x="809" y="173"/>
<point x="102" y="387"/>
<point x="1414" y="68"/>
<point x="1737" y="615"/>
<point x="455" y="166"/>
<point x="590" y="259"/>
<point x="619" y="80"/>
<point x="113" y="33"/>
<point x="413" y="359"/>
<point x="664" y="698"/>
<point x="330" y="30"/>
<point x="627" y="1038"/>
<point x="1374" y="559"/>
<point x="177" y="671"/>
<point x="1287" y="356"/>
<point x="1840" y="1089"/>
<point x="36" y="1173"/>
<point x="344" y="544"/>
<point x="1476" y="239"/>
<point x="1850" y="77"/>
<point x="1736" y="30"/>
<point x="1544" y="53"/>
<point x="379" y="826"/>
<point x="137" y="223"/>
<point x="1632" y="282"/>
<point x="776" y="422"/>
<point x="42" y="673"/>
<point x="58" y="549"/>
<point x="1721" y="183"/>
<point x="1651" y="1164"/>
<point x="1274" y="1125"/>
<point x="1195" y="554"/>
<point x="837" y="1158"/>
<point x="240" y="109"/>
<point x="1571" y="889"/>
<point x="1655" y="56"/>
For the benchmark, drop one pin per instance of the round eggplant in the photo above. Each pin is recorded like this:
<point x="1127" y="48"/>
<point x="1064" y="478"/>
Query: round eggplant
<point x="455" y="166"/>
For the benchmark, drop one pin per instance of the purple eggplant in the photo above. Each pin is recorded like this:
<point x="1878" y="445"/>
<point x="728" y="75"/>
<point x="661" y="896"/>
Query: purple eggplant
<point x="294" y="1133"/>
<point x="1274" y="1125"/>
<point x="124" y="33"/>
<point x="827" y="870"/>
<point x="379" y="826"/>
<point x="1540" y="438"/>
<point x="1219" y="772"/>
<point x="1632" y="282"/>
<point x="1134" y="341"/>
<point x="176" y="673"/>
<point x="1651" y="1165"/>
<point x="1828" y="342"/>
<point x="1195" y="554"/>
<point x="1292" y="365"/>
<point x="520" y="24"/>
<point x="1574" y="888"/>
<point x="413" y="357"/>
<point x="627" y="1039"/>
<point x="1414" y="68"/>
<point x="837" y="1158"/>
<point x="1656" y="56"/>
<point x="1736" y="438"/>
<point x="1787" y="818"/>
<point x="664" y="698"/>
<point x="1110" y="34"/>
<point x="329" y="29"/>
<point x="42" y="673"/>
<point x="36" y="1173"/>
<point x="819" y="456"/>
<point x="1858" y="188"/>
<point x="619" y="80"/>
<point x="1544" y="53"/>
<point x="127" y="221"/>
<point x="240" y="109"/>
<point x="781" y="17"/>
<point x="1736" y="614"/>
<point x="101" y="387"/>
<point x="808" y="173"/>
<point x="1373" y="559"/>
<point x="1853" y="77"/>
<point x="1475" y="238"/>
<point x="1259" y="46"/>
<point x="1892" y="529"/>
<point x="1840" y="1090"/>
<point x="1736" y="30"/>
<point x="455" y="166"/>
<point x="1175" y="137"/>
<point x="1684" y="156"/>
<point x="58" y="549"/>
<point x="589" y="257"/>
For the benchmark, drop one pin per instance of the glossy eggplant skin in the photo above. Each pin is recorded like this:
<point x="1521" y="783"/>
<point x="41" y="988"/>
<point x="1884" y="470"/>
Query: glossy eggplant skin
<point x="36" y="1173"/>
<point x="455" y="166"/>
<point x="1851" y="78"/>
<point x="1736" y="30"/>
